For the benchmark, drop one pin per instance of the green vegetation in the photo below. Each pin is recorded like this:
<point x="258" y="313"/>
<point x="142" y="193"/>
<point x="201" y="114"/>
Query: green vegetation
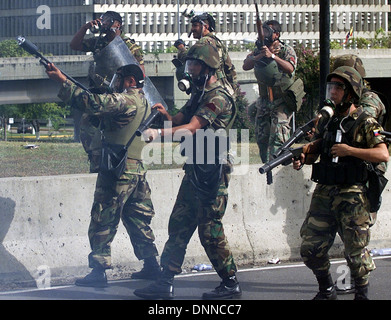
<point x="58" y="158"/>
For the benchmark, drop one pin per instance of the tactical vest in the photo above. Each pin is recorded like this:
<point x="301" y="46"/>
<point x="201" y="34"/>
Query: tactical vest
<point x="348" y="170"/>
<point x="226" y="81"/>
<point x="122" y="135"/>
<point x="218" y="153"/>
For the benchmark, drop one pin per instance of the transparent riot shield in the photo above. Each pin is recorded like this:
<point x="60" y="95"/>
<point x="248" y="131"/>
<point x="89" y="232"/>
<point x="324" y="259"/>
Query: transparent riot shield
<point x="117" y="54"/>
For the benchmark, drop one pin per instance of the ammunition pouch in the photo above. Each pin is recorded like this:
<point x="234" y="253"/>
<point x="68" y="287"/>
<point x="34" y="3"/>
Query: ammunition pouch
<point x="376" y="184"/>
<point x="294" y="95"/>
<point x="113" y="160"/>
<point x="206" y="180"/>
<point x="339" y="173"/>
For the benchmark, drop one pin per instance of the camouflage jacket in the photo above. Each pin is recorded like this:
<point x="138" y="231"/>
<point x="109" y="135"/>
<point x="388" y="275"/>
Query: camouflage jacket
<point x="216" y="106"/>
<point x="287" y="53"/>
<point x="282" y="79"/>
<point x="116" y="111"/>
<point x="93" y="45"/>
<point x="373" y="105"/>
<point x="365" y="135"/>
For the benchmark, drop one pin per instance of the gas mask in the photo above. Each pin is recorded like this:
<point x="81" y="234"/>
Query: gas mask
<point x="104" y="25"/>
<point x="268" y="35"/>
<point x="194" y="76"/>
<point x="195" y="71"/>
<point x="185" y="83"/>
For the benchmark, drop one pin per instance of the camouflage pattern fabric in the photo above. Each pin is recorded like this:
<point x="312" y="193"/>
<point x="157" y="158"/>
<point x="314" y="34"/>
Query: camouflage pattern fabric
<point x="352" y="78"/>
<point x="91" y="140"/>
<point x="343" y="209"/>
<point x="127" y="198"/>
<point x="272" y="126"/>
<point x="188" y="212"/>
<point x="215" y="107"/>
<point x="372" y="104"/>
<point x="335" y="210"/>
<point x="272" y="121"/>
<point x="89" y="132"/>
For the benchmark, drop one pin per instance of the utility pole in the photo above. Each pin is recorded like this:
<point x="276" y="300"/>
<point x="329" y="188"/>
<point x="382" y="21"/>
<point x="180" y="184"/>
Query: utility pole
<point x="324" y="41"/>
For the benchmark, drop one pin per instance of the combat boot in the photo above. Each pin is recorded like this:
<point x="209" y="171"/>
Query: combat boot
<point x="361" y="292"/>
<point x="228" y="289"/>
<point x="150" y="271"/>
<point x="96" y="278"/>
<point x="161" y="289"/>
<point x="327" y="289"/>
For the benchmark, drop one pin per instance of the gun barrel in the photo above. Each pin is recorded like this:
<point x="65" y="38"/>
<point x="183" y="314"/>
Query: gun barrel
<point x="386" y="133"/>
<point x="31" y="48"/>
<point x="147" y="123"/>
<point x="287" y="155"/>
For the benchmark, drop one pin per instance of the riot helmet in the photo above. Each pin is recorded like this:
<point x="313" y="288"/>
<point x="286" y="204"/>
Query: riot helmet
<point x="352" y="85"/>
<point x="117" y="83"/>
<point x="350" y="60"/>
<point x="200" y="57"/>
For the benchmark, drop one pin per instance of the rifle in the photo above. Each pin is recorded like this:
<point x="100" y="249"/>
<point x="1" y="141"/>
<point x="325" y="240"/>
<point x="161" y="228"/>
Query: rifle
<point x="33" y="49"/>
<point x="387" y="134"/>
<point x="261" y="37"/>
<point x="148" y="122"/>
<point x="327" y="112"/>
<point x="284" y="154"/>
<point x="285" y="157"/>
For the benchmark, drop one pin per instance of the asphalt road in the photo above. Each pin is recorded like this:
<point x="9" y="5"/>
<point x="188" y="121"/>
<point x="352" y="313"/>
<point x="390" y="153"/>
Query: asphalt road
<point x="284" y="281"/>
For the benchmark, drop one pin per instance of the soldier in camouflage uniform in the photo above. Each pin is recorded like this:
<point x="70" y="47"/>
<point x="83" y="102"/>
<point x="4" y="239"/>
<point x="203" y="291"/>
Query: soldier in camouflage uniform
<point x="371" y="104"/>
<point x="339" y="203"/>
<point x="111" y="26"/>
<point x="127" y="198"/>
<point x="202" y="28"/>
<point x="370" y="101"/>
<point x="202" y="198"/>
<point x="274" y="114"/>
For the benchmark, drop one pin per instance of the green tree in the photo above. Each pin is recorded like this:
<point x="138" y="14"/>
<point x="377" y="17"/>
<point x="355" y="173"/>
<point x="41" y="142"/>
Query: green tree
<point x="10" y="48"/>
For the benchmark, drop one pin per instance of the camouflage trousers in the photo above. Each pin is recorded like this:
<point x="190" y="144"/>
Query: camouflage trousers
<point x="188" y="214"/>
<point x="91" y="140"/>
<point x="272" y="126"/>
<point x="128" y="199"/>
<point x="343" y="211"/>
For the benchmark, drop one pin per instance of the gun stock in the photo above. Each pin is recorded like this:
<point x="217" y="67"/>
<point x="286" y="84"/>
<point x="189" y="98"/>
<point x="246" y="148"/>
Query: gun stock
<point x="33" y="50"/>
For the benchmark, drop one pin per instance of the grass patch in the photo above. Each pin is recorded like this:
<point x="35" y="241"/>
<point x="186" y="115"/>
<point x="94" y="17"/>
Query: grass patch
<point x="59" y="158"/>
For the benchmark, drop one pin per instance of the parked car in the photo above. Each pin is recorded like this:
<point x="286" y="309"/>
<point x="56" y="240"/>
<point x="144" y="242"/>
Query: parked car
<point x="25" y="128"/>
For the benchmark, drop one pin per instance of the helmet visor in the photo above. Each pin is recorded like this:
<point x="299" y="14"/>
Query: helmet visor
<point x="117" y="83"/>
<point x="335" y="91"/>
<point x="193" y="68"/>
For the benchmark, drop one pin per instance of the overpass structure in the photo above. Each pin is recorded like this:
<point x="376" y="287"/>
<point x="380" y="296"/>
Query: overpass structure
<point x="23" y="80"/>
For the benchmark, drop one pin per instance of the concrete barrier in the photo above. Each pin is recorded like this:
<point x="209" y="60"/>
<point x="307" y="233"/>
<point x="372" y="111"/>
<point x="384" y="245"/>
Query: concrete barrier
<point x="44" y="222"/>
